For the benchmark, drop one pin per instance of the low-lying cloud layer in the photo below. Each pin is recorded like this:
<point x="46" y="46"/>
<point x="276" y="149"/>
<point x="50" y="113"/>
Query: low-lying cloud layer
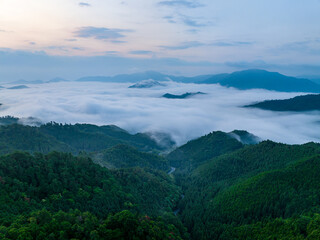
<point x="143" y="110"/>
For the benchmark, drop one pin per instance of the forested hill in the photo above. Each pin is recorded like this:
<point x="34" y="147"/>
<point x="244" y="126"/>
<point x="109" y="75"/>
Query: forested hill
<point x="254" y="187"/>
<point x="124" y="156"/>
<point x="309" y="102"/>
<point x="221" y="186"/>
<point x="70" y="138"/>
<point x="58" y="196"/>
<point x="198" y="151"/>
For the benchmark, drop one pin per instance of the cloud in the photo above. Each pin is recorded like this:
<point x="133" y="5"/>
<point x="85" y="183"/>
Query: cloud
<point x="181" y="3"/>
<point x="309" y="47"/>
<point x="59" y="48"/>
<point x="193" y="31"/>
<point x="5" y="31"/>
<point x="118" y="42"/>
<point x="64" y="49"/>
<point x="187" y="20"/>
<point x="170" y="19"/>
<point x="39" y="65"/>
<point x="84" y="4"/>
<point x="143" y="110"/>
<point x="141" y="52"/>
<point x="71" y="40"/>
<point x="101" y="33"/>
<point x="191" y="22"/>
<point x="192" y="44"/>
<point x="254" y="64"/>
<point x="184" y="45"/>
<point x="111" y="52"/>
<point x="230" y="43"/>
<point x="78" y="48"/>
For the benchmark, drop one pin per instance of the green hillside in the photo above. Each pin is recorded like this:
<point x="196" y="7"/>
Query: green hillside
<point x="60" y="182"/>
<point x="203" y="207"/>
<point x="197" y="151"/>
<point x="279" y="193"/>
<point x="86" y="137"/>
<point x="288" y="194"/>
<point x="18" y="137"/>
<point x="124" y="156"/>
<point x="220" y="186"/>
<point x="69" y="138"/>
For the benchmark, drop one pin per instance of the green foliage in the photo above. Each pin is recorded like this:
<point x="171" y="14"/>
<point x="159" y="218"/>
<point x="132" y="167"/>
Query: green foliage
<point x="45" y="225"/>
<point x="86" y="137"/>
<point x="300" y="227"/>
<point x="153" y="190"/>
<point x="238" y="188"/>
<point x="69" y="138"/>
<point x="254" y="159"/>
<point x="60" y="181"/>
<point x="245" y="137"/>
<point x="280" y="193"/>
<point x="124" y="156"/>
<point x="221" y="189"/>
<point x="25" y="138"/>
<point x="8" y="120"/>
<point x="195" y="152"/>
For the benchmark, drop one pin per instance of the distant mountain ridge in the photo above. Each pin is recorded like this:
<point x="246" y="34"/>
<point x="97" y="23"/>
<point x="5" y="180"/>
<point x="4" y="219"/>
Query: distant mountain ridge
<point x="21" y="81"/>
<point x="261" y="79"/>
<point x="18" y="87"/>
<point x="310" y="102"/>
<point x="135" y="77"/>
<point x="57" y="79"/>
<point x="243" y="80"/>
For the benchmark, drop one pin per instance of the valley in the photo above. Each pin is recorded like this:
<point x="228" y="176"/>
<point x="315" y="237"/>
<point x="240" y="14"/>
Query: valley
<point x="159" y="120"/>
<point x="213" y="187"/>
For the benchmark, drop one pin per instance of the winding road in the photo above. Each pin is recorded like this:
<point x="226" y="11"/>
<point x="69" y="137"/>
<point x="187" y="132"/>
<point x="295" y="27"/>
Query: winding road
<point x="171" y="170"/>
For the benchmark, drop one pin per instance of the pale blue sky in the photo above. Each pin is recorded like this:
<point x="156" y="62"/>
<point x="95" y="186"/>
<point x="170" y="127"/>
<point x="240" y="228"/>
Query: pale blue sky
<point x="41" y="39"/>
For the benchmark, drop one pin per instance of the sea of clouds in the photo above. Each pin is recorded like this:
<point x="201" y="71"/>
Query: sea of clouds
<point x="144" y="110"/>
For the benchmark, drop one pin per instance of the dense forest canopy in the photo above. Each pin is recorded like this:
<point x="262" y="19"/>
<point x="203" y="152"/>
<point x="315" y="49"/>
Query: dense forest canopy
<point x="70" y="138"/>
<point x="88" y="182"/>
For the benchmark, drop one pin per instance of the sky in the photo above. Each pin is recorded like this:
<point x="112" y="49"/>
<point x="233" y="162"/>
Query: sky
<point x="43" y="39"/>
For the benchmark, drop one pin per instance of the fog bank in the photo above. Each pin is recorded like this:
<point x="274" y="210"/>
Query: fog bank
<point x="144" y="110"/>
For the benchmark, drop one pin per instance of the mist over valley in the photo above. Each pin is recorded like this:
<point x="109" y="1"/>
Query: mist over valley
<point x="145" y="110"/>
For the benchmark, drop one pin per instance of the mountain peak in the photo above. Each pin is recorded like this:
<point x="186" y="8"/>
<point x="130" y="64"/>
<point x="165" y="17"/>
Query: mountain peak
<point x="262" y="79"/>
